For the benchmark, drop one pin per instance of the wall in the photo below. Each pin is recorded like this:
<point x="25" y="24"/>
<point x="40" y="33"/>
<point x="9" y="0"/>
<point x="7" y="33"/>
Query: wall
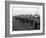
<point x="2" y="19"/>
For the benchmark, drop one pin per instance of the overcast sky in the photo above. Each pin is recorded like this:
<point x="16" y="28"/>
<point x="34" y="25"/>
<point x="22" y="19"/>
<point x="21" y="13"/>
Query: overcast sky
<point x="23" y="10"/>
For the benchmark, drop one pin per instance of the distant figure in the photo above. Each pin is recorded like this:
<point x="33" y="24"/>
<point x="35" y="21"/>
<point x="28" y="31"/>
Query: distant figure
<point x="27" y="20"/>
<point x="37" y="24"/>
<point x="23" y="20"/>
<point x="31" y="21"/>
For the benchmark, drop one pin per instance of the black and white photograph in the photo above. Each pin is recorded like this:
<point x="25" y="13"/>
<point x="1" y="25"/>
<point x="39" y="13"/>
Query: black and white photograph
<point x="24" y="18"/>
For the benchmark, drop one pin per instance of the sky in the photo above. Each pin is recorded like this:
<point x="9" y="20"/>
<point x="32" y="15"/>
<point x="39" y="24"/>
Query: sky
<point x="25" y="10"/>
